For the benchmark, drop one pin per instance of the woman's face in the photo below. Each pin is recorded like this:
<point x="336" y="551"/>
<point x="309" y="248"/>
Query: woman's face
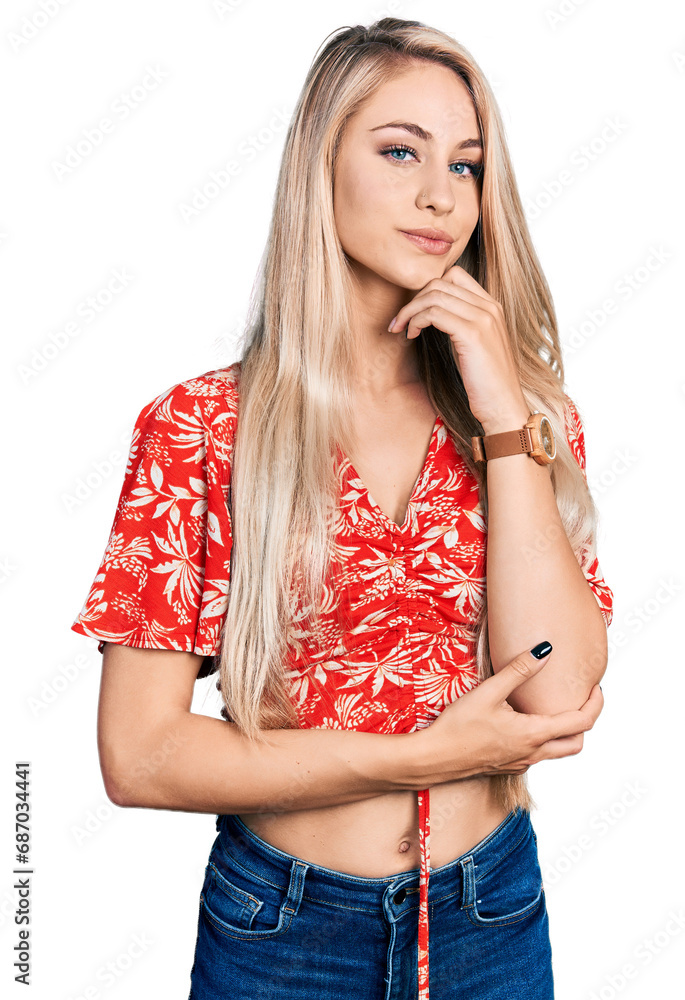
<point x="379" y="194"/>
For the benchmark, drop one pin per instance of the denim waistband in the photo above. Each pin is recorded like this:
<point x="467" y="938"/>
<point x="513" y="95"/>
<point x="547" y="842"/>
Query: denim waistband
<point x="262" y="860"/>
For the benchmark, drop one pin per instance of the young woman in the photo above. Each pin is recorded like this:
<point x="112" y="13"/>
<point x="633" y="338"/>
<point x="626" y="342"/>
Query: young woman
<point x="398" y="404"/>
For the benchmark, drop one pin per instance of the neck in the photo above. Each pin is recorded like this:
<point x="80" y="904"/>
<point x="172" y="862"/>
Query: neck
<point x="384" y="360"/>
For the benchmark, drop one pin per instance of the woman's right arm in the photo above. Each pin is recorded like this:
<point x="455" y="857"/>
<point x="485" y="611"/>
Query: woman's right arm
<point x="156" y="753"/>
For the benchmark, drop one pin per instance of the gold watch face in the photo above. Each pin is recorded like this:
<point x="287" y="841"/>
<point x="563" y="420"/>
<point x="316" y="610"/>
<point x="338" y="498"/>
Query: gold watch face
<point x="547" y="438"/>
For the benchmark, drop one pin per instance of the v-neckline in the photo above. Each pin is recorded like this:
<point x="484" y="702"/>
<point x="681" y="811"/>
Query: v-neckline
<point x="353" y="474"/>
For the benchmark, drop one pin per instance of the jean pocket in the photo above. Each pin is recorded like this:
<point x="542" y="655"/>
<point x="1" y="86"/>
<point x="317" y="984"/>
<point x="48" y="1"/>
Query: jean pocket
<point x="506" y="888"/>
<point x="239" y="905"/>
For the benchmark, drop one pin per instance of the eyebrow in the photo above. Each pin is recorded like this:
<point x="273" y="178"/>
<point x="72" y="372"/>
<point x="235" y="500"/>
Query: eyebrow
<point x="421" y="133"/>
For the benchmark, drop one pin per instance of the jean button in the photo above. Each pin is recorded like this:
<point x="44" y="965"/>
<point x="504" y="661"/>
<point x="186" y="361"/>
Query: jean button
<point x="400" y="896"/>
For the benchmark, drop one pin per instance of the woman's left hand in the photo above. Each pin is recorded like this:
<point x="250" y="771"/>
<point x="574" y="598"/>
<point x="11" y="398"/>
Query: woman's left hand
<point x="474" y="322"/>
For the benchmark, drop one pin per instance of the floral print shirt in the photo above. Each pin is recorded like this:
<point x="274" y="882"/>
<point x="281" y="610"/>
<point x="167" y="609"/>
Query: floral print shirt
<point x="410" y="593"/>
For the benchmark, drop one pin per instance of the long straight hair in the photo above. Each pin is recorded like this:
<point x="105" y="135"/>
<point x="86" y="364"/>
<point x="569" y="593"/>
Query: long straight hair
<point x="297" y="373"/>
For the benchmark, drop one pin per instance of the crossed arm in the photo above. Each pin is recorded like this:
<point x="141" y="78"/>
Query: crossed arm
<point x="536" y="589"/>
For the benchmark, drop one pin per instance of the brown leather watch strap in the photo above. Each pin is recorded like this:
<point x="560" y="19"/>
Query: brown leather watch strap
<point x="499" y="445"/>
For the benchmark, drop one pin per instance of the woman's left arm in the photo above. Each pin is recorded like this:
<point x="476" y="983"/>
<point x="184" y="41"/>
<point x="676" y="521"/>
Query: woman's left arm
<point x="536" y="588"/>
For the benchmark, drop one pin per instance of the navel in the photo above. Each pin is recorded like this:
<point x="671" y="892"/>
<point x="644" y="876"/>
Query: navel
<point x="404" y="846"/>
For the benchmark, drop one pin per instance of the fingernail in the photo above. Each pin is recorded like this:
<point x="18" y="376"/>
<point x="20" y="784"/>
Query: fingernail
<point x="392" y="323"/>
<point x="542" y="649"/>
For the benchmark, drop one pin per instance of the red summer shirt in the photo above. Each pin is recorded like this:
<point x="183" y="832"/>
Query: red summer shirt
<point x="410" y="593"/>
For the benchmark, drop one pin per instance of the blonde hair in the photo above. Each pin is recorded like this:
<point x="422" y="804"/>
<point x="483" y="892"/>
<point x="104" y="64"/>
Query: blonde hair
<point x="298" y="364"/>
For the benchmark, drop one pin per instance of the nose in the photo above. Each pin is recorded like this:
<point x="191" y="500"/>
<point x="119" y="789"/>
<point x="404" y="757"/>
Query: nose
<point x="435" y="189"/>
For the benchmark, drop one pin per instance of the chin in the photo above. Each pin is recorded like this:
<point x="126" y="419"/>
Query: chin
<point x="411" y="275"/>
<point x="414" y="278"/>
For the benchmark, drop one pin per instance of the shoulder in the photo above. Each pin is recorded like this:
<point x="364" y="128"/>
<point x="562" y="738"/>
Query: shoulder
<point x="214" y="392"/>
<point x="188" y="429"/>
<point x="204" y="405"/>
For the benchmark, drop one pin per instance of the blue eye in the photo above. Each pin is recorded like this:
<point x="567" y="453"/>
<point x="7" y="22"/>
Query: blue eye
<point x="399" y="149"/>
<point x="476" y="169"/>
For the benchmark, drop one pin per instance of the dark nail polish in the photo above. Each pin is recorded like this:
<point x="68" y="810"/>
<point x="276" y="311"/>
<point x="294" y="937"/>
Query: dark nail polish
<point x="542" y="649"/>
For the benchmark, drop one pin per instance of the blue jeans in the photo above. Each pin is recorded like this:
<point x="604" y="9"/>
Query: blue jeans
<point x="274" y="926"/>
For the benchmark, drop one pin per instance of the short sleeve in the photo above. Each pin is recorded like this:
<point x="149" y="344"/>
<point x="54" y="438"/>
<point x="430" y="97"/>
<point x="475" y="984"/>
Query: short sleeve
<point x="575" y="437"/>
<point x="163" y="579"/>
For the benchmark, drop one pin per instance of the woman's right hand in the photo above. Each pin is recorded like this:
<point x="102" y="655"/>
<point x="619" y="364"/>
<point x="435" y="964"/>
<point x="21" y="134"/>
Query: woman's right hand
<point x="481" y="733"/>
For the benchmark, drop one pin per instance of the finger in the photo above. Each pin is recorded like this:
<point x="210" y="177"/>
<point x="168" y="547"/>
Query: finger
<point x="565" y="746"/>
<point x="458" y="276"/>
<point x="595" y="703"/>
<point x="463" y="291"/>
<point x="449" y="320"/>
<point x="412" y="315"/>
<point x="449" y="296"/>
<point x="509" y="769"/>
<point x="519" y="669"/>
<point x="554" y="749"/>
<point x="570" y="723"/>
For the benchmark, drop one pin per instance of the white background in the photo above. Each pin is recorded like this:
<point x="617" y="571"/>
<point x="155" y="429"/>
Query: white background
<point x="609" y="820"/>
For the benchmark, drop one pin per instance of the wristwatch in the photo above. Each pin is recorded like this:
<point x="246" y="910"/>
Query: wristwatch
<point x="536" y="438"/>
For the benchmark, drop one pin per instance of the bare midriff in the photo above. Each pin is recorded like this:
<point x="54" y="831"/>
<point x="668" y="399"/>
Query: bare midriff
<point x="376" y="837"/>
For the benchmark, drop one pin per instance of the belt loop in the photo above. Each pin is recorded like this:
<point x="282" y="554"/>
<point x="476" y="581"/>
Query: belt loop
<point x="468" y="897"/>
<point x="296" y="887"/>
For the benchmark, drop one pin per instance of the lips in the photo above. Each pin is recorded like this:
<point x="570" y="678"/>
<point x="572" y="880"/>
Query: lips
<point x="430" y="234"/>
<point x="433" y="241"/>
